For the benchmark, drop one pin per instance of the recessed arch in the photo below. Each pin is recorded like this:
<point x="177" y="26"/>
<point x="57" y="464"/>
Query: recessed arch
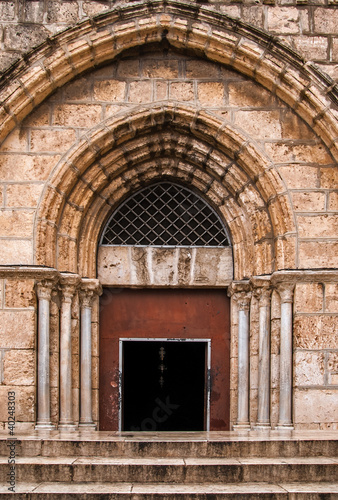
<point x="114" y="158"/>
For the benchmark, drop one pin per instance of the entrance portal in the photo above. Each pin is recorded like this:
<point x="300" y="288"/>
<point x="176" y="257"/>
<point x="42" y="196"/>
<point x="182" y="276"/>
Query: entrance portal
<point x="164" y="385"/>
<point x="190" y="329"/>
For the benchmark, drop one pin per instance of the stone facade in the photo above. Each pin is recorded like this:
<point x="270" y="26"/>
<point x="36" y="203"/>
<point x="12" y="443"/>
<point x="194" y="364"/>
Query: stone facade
<point x="133" y="93"/>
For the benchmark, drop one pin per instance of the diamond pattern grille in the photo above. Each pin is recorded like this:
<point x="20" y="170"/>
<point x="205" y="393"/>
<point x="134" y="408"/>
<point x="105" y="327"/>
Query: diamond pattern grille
<point x="165" y="214"/>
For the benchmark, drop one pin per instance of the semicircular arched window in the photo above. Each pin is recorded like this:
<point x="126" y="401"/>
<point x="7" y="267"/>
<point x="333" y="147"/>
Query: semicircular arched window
<point x="165" y="215"/>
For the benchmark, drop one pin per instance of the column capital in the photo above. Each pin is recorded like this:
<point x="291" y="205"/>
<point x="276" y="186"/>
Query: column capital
<point x="285" y="291"/>
<point x="240" y="291"/>
<point x="261" y="289"/>
<point x="44" y="288"/>
<point x="88" y="289"/>
<point x="68" y="285"/>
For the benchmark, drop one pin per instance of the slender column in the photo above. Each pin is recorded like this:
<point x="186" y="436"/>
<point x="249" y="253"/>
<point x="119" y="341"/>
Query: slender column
<point x="88" y="290"/>
<point x="263" y="417"/>
<point x="68" y="287"/>
<point x="242" y="295"/>
<point x="285" y="291"/>
<point x="44" y="292"/>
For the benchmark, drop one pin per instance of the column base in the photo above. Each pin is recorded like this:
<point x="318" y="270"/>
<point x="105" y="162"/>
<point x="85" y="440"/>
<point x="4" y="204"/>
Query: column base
<point x="87" y="426"/>
<point x="284" y="427"/>
<point x="67" y="427"/>
<point x="242" y="427"/>
<point x="44" y="426"/>
<point x="262" y="427"/>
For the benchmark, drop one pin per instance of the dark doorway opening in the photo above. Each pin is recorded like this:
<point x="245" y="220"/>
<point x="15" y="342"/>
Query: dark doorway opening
<point x="164" y="385"/>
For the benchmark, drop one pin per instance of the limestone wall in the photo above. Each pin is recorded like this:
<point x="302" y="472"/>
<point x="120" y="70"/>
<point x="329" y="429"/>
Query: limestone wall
<point x="308" y="27"/>
<point x="238" y="137"/>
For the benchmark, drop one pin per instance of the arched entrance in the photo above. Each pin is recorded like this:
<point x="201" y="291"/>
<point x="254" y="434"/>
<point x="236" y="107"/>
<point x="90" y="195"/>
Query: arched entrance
<point x="164" y="351"/>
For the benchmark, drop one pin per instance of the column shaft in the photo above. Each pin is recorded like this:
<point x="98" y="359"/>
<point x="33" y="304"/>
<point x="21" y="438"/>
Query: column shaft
<point x="243" y="368"/>
<point x="263" y="418"/>
<point x="285" y="393"/>
<point x="66" y="400"/>
<point x="43" y="410"/>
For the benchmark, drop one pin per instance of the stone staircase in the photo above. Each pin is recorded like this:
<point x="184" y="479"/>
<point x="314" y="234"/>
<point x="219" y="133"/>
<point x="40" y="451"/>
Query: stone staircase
<point x="165" y="466"/>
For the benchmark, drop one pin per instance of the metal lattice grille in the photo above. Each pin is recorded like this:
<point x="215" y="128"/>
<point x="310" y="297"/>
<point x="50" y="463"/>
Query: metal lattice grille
<point x="165" y="214"/>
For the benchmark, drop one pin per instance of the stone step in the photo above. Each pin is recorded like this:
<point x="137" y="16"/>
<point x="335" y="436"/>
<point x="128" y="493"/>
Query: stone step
<point x="172" y="470"/>
<point x="227" y="445"/>
<point x="137" y="491"/>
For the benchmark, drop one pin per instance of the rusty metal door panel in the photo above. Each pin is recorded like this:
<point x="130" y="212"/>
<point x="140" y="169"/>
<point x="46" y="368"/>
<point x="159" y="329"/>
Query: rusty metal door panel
<point x="164" y="313"/>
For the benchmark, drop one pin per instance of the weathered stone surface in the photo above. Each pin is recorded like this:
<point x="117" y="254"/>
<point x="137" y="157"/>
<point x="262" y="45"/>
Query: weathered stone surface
<point x="331" y="297"/>
<point x="160" y="69"/>
<point x="16" y="252"/>
<point x="80" y="115"/>
<point x="22" y="37"/>
<point x="309" y="201"/>
<point x="316" y="332"/>
<point x="52" y="140"/>
<point x="322" y="405"/>
<point x="318" y="226"/>
<point x="17" y="223"/>
<point x="26" y="167"/>
<point x="114" y="265"/>
<point x="23" y="195"/>
<point x="141" y="91"/>
<point x="260" y="124"/>
<point x="211" y="93"/>
<point x="308" y="297"/>
<point x="248" y="94"/>
<point x="159" y="266"/>
<point x="333" y="201"/>
<point x="17" y="329"/>
<point x="328" y="177"/>
<point x="19" y="293"/>
<point x="62" y="12"/>
<point x="16" y="141"/>
<point x="19" y="367"/>
<point x="284" y="20"/>
<point x="325" y="23"/>
<point x="318" y="254"/>
<point x="182" y="91"/>
<point x="308" y="368"/>
<point x="164" y="266"/>
<point x="109" y="90"/>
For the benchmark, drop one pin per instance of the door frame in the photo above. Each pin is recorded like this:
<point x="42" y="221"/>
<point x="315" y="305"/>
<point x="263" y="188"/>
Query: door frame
<point x="208" y="368"/>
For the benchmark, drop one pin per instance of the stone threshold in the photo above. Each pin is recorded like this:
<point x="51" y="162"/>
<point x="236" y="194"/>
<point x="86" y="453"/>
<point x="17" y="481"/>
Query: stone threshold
<point x="255" y="490"/>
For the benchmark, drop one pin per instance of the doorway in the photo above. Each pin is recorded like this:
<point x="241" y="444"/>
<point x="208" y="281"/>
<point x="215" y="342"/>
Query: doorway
<point x="193" y="328"/>
<point x="164" y="385"/>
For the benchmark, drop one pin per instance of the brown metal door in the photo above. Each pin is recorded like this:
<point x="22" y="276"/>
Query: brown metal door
<point x="167" y="314"/>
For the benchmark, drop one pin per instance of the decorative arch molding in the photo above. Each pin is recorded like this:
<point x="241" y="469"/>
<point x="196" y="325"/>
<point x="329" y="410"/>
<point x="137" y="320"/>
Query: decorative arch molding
<point x="130" y="150"/>
<point x="215" y="36"/>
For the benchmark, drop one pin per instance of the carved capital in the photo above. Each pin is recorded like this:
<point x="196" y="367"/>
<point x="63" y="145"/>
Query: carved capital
<point x="68" y="286"/>
<point x="285" y="291"/>
<point x="261" y="288"/>
<point x="44" y="289"/>
<point x="89" y="289"/>
<point x="240" y="292"/>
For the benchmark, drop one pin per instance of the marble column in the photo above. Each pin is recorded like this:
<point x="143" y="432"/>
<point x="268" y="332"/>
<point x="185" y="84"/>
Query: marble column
<point x="44" y="293"/>
<point x="263" y="293"/>
<point x="69" y="285"/>
<point x="241" y="293"/>
<point x="89" y="288"/>
<point x="285" y="291"/>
